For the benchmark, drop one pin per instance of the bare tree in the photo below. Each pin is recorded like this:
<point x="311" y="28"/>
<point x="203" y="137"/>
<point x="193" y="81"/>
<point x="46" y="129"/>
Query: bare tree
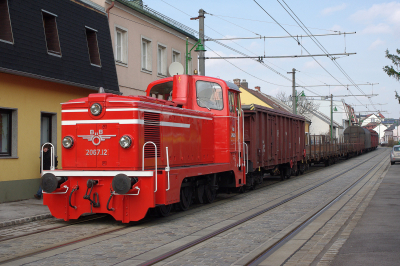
<point x="304" y="106"/>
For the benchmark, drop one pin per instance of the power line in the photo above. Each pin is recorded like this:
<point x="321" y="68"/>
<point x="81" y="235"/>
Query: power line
<point x="266" y="22"/>
<point x="277" y="37"/>
<point x="297" y="40"/>
<point x="307" y="31"/>
<point x="272" y="56"/>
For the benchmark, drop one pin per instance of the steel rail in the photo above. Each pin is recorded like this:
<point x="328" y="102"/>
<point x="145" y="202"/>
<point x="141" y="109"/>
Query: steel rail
<point x="279" y="243"/>
<point x="28" y="254"/>
<point x="84" y="220"/>
<point x="228" y="227"/>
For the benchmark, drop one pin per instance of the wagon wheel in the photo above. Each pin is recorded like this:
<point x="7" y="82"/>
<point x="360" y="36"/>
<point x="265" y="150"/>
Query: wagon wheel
<point x="199" y="194"/>
<point x="164" y="210"/>
<point x="288" y="172"/>
<point x="186" y="198"/>
<point x="209" y="193"/>
<point x="282" y="174"/>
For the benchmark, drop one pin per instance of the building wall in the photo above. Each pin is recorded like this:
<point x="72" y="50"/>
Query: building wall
<point x="247" y="98"/>
<point x="19" y="177"/>
<point x="132" y="79"/>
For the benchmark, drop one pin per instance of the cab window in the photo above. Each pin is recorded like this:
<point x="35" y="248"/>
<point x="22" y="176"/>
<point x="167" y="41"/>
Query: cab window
<point x="162" y="91"/>
<point x="232" y="106"/>
<point x="209" y="95"/>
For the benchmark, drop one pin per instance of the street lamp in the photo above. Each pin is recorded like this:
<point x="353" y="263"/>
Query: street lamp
<point x="200" y="48"/>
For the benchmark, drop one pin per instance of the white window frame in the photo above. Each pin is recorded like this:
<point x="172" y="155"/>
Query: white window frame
<point x="146" y="55"/>
<point x="176" y="52"/>
<point x="124" y="45"/>
<point x="161" y="60"/>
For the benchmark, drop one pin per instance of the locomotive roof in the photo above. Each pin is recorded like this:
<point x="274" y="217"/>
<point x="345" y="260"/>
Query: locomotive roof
<point x="232" y="86"/>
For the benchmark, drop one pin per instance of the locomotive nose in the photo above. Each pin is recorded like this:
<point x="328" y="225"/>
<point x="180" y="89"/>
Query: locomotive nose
<point x="122" y="183"/>
<point x="51" y="182"/>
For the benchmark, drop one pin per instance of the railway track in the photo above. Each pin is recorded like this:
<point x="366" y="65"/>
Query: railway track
<point x="118" y="231"/>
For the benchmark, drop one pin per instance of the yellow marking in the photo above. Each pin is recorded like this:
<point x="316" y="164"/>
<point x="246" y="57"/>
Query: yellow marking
<point x="179" y="79"/>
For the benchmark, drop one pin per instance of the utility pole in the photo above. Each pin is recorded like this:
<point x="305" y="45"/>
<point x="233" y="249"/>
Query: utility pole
<point x="331" y="118"/>
<point x="202" y="65"/>
<point x="294" y="96"/>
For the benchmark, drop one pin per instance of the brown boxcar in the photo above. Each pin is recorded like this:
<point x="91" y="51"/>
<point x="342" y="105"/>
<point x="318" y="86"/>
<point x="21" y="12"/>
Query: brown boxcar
<point x="275" y="139"/>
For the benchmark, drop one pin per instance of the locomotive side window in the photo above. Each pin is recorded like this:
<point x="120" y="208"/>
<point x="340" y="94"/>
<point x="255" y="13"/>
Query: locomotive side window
<point x="162" y="91"/>
<point x="209" y="95"/>
<point x="231" y="102"/>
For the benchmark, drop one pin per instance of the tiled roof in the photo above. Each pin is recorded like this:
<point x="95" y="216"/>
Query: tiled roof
<point x="28" y="55"/>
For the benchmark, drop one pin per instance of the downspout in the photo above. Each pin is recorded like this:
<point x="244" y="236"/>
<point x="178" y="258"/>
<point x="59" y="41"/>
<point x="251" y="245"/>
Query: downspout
<point x="109" y="8"/>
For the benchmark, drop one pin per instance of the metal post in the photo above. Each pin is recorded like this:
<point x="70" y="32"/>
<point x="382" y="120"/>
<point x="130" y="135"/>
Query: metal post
<point x="294" y="103"/>
<point x="186" y="57"/>
<point x="331" y="117"/>
<point x="202" y="67"/>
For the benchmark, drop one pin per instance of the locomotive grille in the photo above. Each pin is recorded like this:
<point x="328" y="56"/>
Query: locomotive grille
<point x="151" y="133"/>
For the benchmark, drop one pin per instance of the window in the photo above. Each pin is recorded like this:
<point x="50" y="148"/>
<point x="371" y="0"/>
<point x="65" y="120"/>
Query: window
<point x="5" y="22"/>
<point x="51" y="33"/>
<point x="232" y="107"/>
<point x="48" y="129"/>
<point x="161" y="60"/>
<point x="93" y="47"/>
<point x="121" y="45"/>
<point x="8" y="133"/>
<point x="162" y="91"/>
<point x="209" y="95"/>
<point x="146" y="54"/>
<point x="5" y="132"/>
<point x="176" y="56"/>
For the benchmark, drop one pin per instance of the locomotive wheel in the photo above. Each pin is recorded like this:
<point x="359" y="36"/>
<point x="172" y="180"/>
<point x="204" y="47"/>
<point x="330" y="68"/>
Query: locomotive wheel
<point x="186" y="198"/>
<point x="164" y="210"/>
<point x="199" y="194"/>
<point x="209" y="193"/>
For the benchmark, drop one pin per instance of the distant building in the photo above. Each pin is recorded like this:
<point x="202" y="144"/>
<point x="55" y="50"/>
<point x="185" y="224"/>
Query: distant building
<point x="51" y="52"/>
<point x="145" y="43"/>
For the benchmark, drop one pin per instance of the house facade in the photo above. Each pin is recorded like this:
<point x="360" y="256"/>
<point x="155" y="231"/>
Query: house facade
<point x="51" y="52"/>
<point x="145" y="43"/>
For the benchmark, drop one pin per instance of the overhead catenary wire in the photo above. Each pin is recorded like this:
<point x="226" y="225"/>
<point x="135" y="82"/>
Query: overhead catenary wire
<point x="307" y="31"/>
<point x="232" y="49"/>
<point x="297" y="40"/>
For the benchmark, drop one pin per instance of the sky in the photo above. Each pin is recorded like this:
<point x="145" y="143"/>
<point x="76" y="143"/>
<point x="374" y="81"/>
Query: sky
<point x="377" y="27"/>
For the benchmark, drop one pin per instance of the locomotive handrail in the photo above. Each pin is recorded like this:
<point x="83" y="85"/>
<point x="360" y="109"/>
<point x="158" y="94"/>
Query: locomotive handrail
<point x="247" y="157"/>
<point x="65" y="186"/>
<point x="167" y="169"/>
<point x="238" y="136"/>
<point x="243" y="133"/>
<point x="155" y="169"/>
<point x="51" y="159"/>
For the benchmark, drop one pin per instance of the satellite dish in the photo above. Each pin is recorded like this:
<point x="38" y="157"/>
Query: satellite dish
<point x="175" y="68"/>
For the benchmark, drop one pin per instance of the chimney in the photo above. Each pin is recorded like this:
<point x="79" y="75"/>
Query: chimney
<point x="237" y="82"/>
<point x="244" y="84"/>
<point x="258" y="88"/>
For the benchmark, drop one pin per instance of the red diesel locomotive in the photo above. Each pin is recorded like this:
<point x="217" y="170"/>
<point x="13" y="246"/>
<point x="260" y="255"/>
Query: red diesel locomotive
<point x="123" y="155"/>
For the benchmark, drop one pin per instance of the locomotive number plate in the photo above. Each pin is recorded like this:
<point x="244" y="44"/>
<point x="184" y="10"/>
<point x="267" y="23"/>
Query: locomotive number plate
<point x="100" y="152"/>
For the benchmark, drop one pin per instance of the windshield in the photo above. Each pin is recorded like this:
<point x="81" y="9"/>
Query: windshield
<point x="209" y="95"/>
<point x="396" y="148"/>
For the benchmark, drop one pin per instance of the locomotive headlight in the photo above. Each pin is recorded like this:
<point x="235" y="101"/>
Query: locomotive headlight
<point x="95" y="109"/>
<point x="125" y="141"/>
<point x="68" y="142"/>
